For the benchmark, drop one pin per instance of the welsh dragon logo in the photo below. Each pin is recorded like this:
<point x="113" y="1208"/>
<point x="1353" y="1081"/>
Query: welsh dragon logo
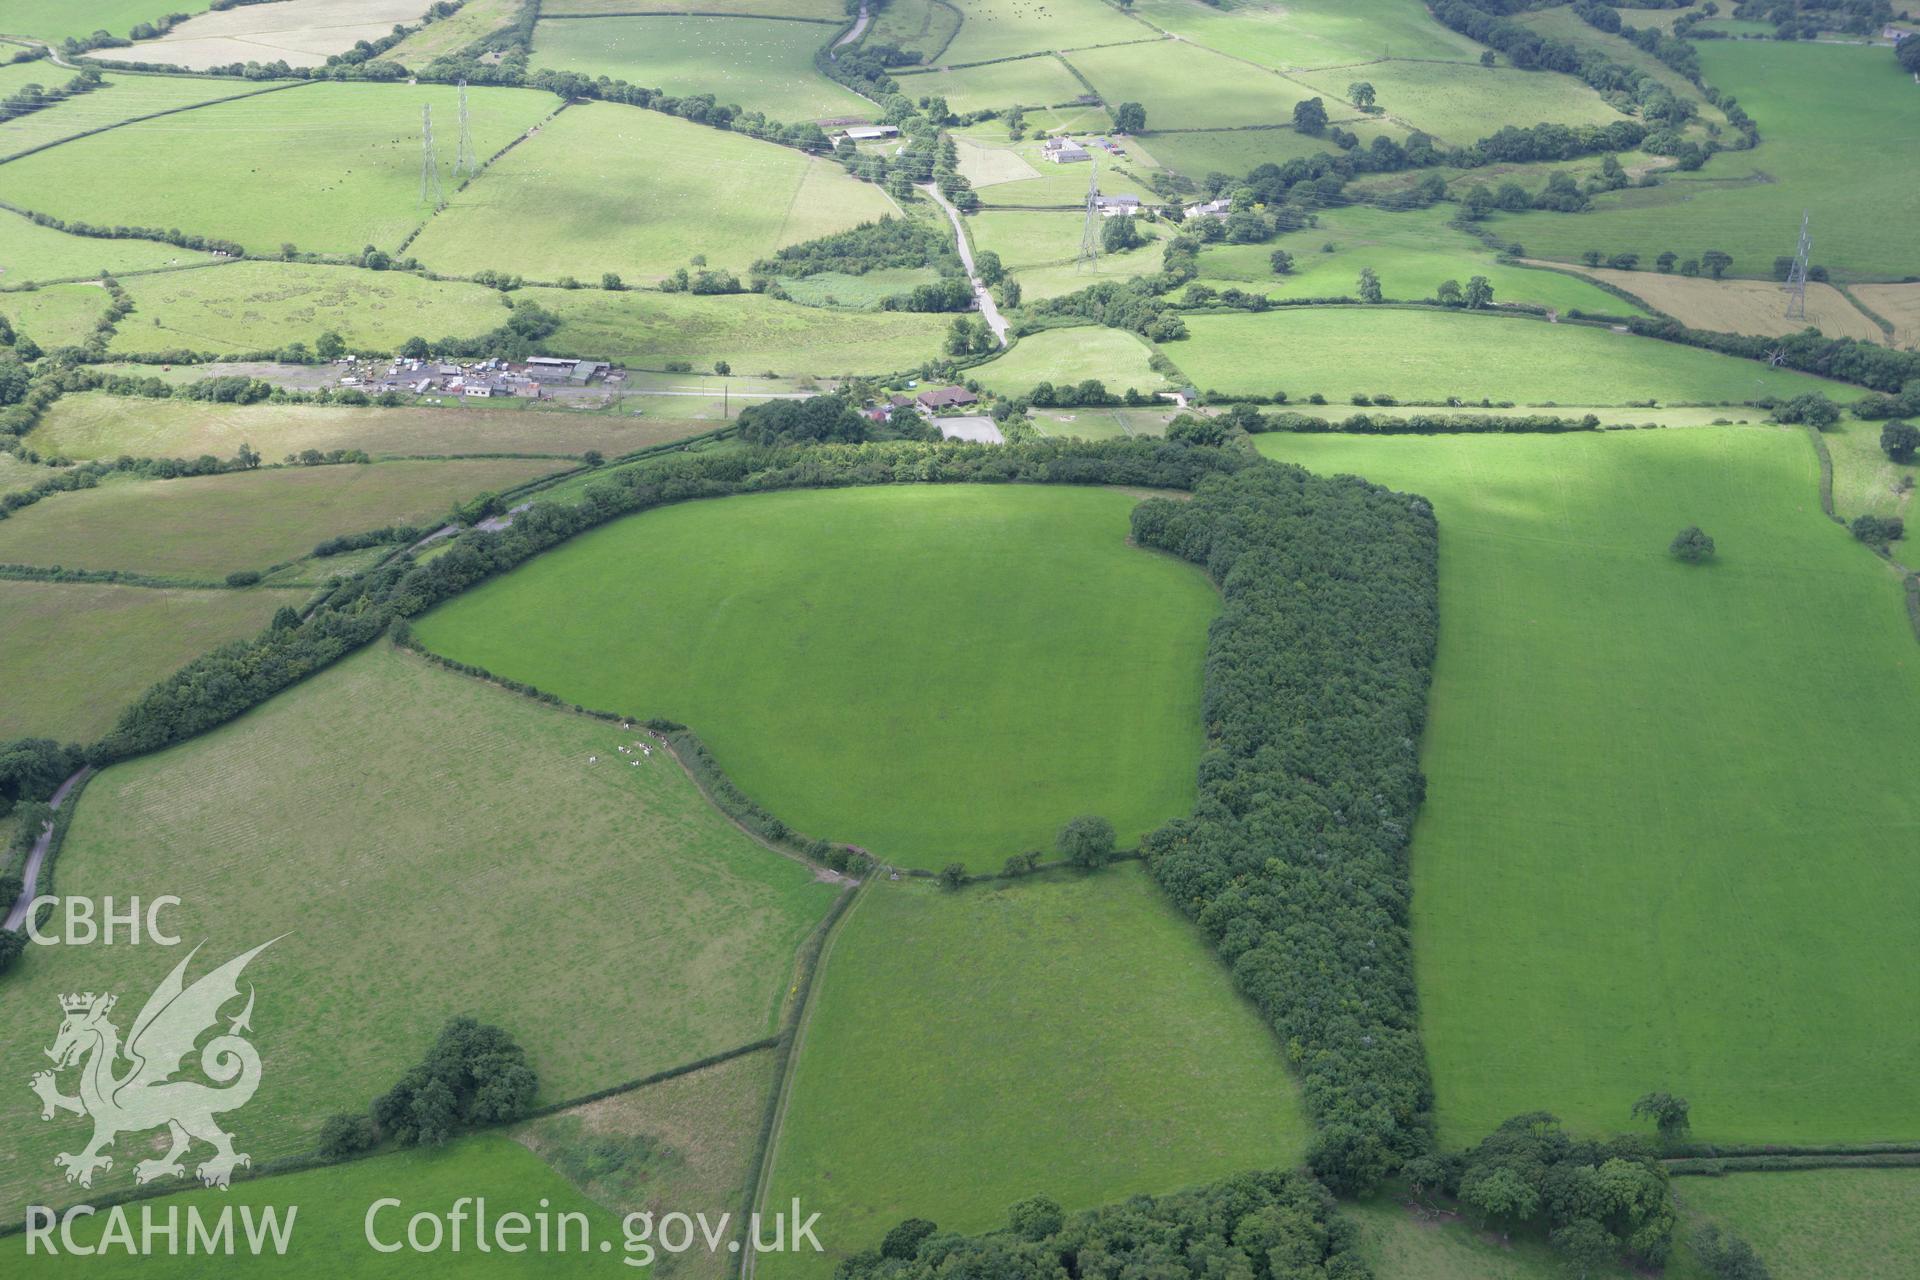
<point x="144" y="1095"/>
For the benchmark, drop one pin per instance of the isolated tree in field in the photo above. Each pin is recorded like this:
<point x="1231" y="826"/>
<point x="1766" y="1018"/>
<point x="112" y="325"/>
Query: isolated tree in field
<point x="329" y="346"/>
<point x="1487" y="58"/>
<point x="1130" y="117"/>
<point x="1667" y="1111"/>
<point x="1449" y="294"/>
<point x="1664" y="263"/>
<point x="1369" y="286"/>
<point x="1899" y="440"/>
<point x="1694" y="546"/>
<point x="1087" y="841"/>
<point x="953" y="875"/>
<point x="1310" y="116"/>
<point x="1281" y="261"/>
<point x="288" y="252"/>
<point x="1716" y="262"/>
<point x="1479" y="293"/>
<point x="1361" y="94"/>
<point x="722" y="368"/>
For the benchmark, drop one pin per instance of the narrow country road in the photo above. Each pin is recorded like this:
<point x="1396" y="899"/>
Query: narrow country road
<point x="30" y="878"/>
<point x="995" y="321"/>
<point x="859" y="29"/>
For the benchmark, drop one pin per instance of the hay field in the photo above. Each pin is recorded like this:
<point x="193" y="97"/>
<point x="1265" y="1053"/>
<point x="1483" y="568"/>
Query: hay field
<point x="222" y="170"/>
<point x="76" y="653"/>
<point x="204" y="527"/>
<point x="1899" y="304"/>
<point x="1184" y="86"/>
<point x="30" y="253"/>
<point x="1311" y="33"/>
<point x="1461" y="104"/>
<point x="96" y="425"/>
<point x="1006" y="28"/>
<point x="1743" y="306"/>
<point x="1069" y="356"/>
<point x="873" y="665"/>
<point x="1033" y="1032"/>
<point x="759" y="64"/>
<point x="394" y="819"/>
<point x="248" y="306"/>
<point x="300" y="33"/>
<point x="613" y="188"/>
<point x="1673" y="793"/>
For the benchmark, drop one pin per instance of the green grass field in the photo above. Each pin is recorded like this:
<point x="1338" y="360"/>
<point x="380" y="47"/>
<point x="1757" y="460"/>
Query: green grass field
<point x="1461" y="104"/>
<point x="1005" y="28"/>
<point x="1184" y="86"/>
<point x="473" y="20"/>
<point x="224" y="170"/>
<point x="752" y="332"/>
<point x="30" y="253"/>
<point x="616" y="188"/>
<point x="1809" y="100"/>
<point x="859" y="293"/>
<point x="1411" y="252"/>
<point x="1032" y="82"/>
<point x="203" y="527"/>
<point x="1069" y="1036"/>
<point x="1311" y="33"/>
<point x="1401" y="1243"/>
<point x="122" y="98"/>
<point x="76" y="653"/>
<point x="430" y="846"/>
<point x="1859" y="1223"/>
<point x="1005" y="172"/>
<point x="1062" y="356"/>
<point x="1565" y="24"/>
<point x="329" y="1236"/>
<point x="1238" y="151"/>
<point x="55" y="20"/>
<point x="1430" y="355"/>
<point x="1026" y="238"/>
<point x="1102" y="424"/>
<point x="1865" y="480"/>
<point x="58" y="315"/>
<point x="872" y="664"/>
<point x="261" y="306"/>
<point x="1675" y="796"/>
<point x="915" y="26"/>
<point x="820" y="10"/>
<point x="95" y="425"/>
<point x="760" y="64"/>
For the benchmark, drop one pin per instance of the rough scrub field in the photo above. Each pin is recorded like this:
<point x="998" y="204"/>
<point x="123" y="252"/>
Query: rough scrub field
<point x="393" y="819"/>
<point x="1427" y="355"/>
<point x="614" y="188"/>
<point x="1069" y="1036"/>
<point x="937" y="673"/>
<point x="1675" y="805"/>
<point x="201" y="528"/>
<point x="76" y="653"/>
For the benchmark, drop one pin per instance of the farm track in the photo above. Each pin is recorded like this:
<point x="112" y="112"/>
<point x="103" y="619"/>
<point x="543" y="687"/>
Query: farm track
<point x="988" y="310"/>
<point x="37" y="856"/>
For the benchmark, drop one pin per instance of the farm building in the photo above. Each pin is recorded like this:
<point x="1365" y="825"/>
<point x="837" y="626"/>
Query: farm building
<point x="1064" y="151"/>
<point x="552" y="369"/>
<point x="1112" y="206"/>
<point x="871" y="132"/>
<point x="1211" y="209"/>
<point x="946" y="398"/>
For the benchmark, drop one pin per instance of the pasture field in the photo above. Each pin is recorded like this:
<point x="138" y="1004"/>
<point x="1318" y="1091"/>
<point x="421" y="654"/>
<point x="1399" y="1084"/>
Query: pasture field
<point x="123" y="97"/>
<point x="1238" y="151"/>
<point x="330" y="1236"/>
<point x="1427" y="355"/>
<point x="761" y="64"/>
<point x="1808" y="1225"/>
<point x="243" y="307"/>
<point x="58" y="315"/>
<point x="222" y="170"/>
<point x="1033" y="82"/>
<point x="1743" y="306"/>
<point x="55" y="20"/>
<point x="96" y="425"/>
<point x="1067" y="1035"/>
<point x="78" y="652"/>
<point x="1808" y="100"/>
<point x="401" y="820"/>
<point x="1311" y="33"/>
<point x="1673" y="802"/>
<point x="861" y="293"/>
<point x="300" y="33"/>
<point x="872" y="664"/>
<point x="616" y="188"/>
<point x="819" y="10"/>
<point x="1007" y="28"/>
<point x="924" y="27"/>
<point x="204" y="527"/>
<point x="1898" y="304"/>
<point x="1063" y="356"/>
<point x="32" y="253"/>
<point x="1184" y="86"/>
<point x="1461" y="104"/>
<point x="1411" y="252"/>
<point x="752" y="332"/>
<point x="684" y="1145"/>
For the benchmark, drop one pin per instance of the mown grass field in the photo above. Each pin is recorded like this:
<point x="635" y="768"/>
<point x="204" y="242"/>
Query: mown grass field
<point x="57" y="315"/>
<point x="203" y="527"/>
<point x="1430" y="355"/>
<point x="1004" y="28"/>
<point x="1461" y="104"/>
<point x="1066" y="356"/>
<point x="430" y="846"/>
<point x="30" y="252"/>
<point x="301" y="33"/>
<point x="123" y="97"/>
<point x="77" y="652"/>
<point x="330" y="1239"/>
<point x="1311" y="33"/>
<point x="752" y="332"/>
<point x="1411" y="253"/>
<point x="760" y="64"/>
<point x="1676" y="795"/>
<point x="95" y="425"/>
<point x="616" y="188"/>
<point x="1743" y="306"/>
<point x="1184" y="86"/>
<point x="1032" y="82"/>
<point x="1862" y="1223"/>
<point x="1069" y="1036"/>
<point x="873" y="665"/>
<point x="1809" y="101"/>
<point x="245" y="307"/>
<point x="684" y="1145"/>
<point x="224" y="170"/>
